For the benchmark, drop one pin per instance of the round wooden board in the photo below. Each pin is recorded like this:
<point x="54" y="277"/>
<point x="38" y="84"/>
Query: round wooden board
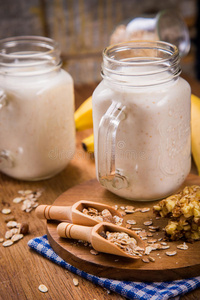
<point x="185" y="264"/>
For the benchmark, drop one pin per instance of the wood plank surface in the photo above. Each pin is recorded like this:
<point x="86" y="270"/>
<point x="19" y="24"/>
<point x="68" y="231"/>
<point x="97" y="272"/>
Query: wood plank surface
<point x="23" y="270"/>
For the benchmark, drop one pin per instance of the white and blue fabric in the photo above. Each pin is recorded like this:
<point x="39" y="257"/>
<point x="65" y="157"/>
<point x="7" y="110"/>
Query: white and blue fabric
<point x="129" y="289"/>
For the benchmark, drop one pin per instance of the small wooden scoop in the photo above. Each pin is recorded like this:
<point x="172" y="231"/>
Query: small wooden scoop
<point x="92" y="235"/>
<point x="73" y="213"/>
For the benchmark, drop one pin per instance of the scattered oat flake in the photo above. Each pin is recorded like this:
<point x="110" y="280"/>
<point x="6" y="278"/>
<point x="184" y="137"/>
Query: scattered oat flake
<point x="14" y="230"/>
<point x="149" y="234"/>
<point x="151" y="258"/>
<point x="129" y="211"/>
<point x="129" y="207"/>
<point x="163" y="243"/>
<point x="170" y="253"/>
<point x="17" y="237"/>
<point x="152" y="230"/>
<point x="11" y="224"/>
<point x="145" y="209"/>
<point x="75" y="281"/>
<point x="156" y="228"/>
<point x="27" y="192"/>
<point x="164" y="247"/>
<point x="148" y="249"/>
<point x="143" y="233"/>
<point x="1" y="240"/>
<point x="152" y="241"/>
<point x="94" y="252"/>
<point x="146" y="260"/>
<point x="20" y="192"/>
<point x="42" y="288"/>
<point x="8" y="234"/>
<point x="183" y="246"/>
<point x="18" y="199"/>
<point x="6" y="211"/>
<point x="148" y="223"/>
<point x="128" y="226"/>
<point x="7" y="243"/>
<point x="131" y="222"/>
<point x="123" y="213"/>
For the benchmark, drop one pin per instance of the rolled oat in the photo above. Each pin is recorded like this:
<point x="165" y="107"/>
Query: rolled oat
<point x="42" y="288"/>
<point x="7" y="243"/>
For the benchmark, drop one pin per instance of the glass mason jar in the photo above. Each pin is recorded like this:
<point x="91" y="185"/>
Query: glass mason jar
<point x="141" y="115"/>
<point x="167" y="25"/>
<point x="37" y="130"/>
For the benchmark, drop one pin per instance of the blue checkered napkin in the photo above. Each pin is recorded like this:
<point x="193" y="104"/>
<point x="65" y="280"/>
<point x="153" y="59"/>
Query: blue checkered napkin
<point x="128" y="289"/>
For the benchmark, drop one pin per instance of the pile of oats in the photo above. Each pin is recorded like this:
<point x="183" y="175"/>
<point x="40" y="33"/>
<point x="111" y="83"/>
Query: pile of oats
<point x="102" y="216"/>
<point x="183" y="210"/>
<point x="29" y="199"/>
<point x="124" y="241"/>
<point x="15" y="232"/>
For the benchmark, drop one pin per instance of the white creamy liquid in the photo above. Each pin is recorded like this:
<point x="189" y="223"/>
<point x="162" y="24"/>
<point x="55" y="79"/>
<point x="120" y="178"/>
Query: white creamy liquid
<point x="153" y="141"/>
<point x="37" y="124"/>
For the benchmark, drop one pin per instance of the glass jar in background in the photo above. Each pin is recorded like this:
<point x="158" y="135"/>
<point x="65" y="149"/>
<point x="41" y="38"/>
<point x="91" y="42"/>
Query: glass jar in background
<point x="141" y="117"/>
<point x="37" y="130"/>
<point x="166" y="25"/>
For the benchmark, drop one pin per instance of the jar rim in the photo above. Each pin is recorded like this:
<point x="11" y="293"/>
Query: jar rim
<point x="29" y="55"/>
<point x="141" y="63"/>
<point x="49" y="43"/>
<point x="141" y="44"/>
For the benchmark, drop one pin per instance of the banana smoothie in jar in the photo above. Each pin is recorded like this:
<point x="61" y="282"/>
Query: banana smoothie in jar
<point x="141" y="115"/>
<point x="37" y="130"/>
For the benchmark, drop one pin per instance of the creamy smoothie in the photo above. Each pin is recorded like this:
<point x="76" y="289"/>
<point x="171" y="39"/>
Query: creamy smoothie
<point x="152" y="147"/>
<point x="37" y="124"/>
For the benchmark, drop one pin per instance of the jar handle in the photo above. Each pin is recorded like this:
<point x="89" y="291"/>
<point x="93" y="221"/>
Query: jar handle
<point x="3" y="100"/>
<point x="106" y="147"/>
<point x="6" y="160"/>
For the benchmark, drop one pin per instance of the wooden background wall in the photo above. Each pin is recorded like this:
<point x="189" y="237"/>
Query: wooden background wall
<point x="83" y="27"/>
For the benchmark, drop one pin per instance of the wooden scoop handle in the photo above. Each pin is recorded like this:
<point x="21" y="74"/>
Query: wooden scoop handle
<point x="51" y="212"/>
<point x="77" y="232"/>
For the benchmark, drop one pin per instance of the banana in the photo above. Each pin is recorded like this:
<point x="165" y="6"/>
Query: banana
<point x="195" y="124"/>
<point x="88" y="143"/>
<point x="83" y="115"/>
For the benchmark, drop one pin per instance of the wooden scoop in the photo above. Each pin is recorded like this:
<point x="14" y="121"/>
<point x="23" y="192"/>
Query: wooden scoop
<point x="73" y="213"/>
<point x="92" y="235"/>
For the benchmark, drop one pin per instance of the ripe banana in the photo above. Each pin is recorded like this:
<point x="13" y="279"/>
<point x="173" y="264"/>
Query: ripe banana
<point x="88" y="143"/>
<point x="195" y="124"/>
<point x="83" y="115"/>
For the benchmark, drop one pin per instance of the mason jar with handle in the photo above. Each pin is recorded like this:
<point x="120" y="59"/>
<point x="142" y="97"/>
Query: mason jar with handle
<point x="141" y="115"/>
<point x="37" y="130"/>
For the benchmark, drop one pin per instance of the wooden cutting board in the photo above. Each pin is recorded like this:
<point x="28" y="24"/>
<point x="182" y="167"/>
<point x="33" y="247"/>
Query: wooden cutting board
<point x="185" y="264"/>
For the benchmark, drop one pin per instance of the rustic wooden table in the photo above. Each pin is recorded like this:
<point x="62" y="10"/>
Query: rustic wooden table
<point x="23" y="270"/>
